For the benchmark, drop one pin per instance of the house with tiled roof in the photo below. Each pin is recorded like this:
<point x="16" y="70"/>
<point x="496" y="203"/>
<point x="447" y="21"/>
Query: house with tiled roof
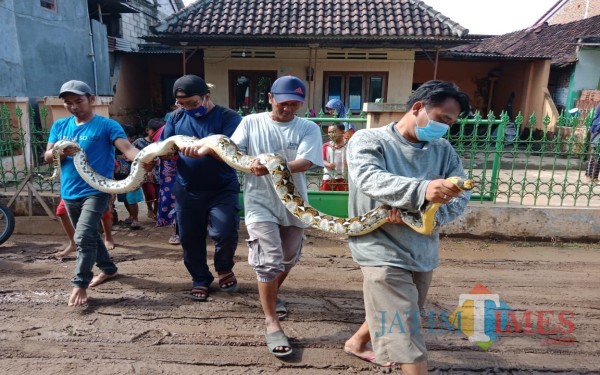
<point x="355" y="50"/>
<point x="572" y="50"/>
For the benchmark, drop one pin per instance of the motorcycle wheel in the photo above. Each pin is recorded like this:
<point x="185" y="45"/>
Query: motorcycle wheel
<point x="7" y="223"/>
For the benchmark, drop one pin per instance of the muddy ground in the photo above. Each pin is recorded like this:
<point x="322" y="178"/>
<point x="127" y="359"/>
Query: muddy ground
<point x="143" y="322"/>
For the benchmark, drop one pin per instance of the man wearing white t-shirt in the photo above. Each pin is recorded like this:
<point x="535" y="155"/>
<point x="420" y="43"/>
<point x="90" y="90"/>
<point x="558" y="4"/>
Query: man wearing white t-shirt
<point x="275" y="234"/>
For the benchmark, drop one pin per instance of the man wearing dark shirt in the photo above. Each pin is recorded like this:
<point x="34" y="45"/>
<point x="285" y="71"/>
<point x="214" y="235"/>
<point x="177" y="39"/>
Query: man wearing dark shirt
<point x="206" y="189"/>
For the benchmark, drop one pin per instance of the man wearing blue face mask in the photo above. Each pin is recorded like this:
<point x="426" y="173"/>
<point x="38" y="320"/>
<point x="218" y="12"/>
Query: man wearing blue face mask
<point x="405" y="165"/>
<point x="206" y="189"/>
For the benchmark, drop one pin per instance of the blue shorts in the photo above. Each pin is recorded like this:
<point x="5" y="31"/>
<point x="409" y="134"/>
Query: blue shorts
<point x="131" y="197"/>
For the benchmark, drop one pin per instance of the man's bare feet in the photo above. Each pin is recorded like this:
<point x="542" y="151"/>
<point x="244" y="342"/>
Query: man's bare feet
<point x="78" y="297"/>
<point x="364" y="352"/>
<point x="356" y="349"/>
<point x="66" y="251"/>
<point x="101" y="278"/>
<point x="110" y="244"/>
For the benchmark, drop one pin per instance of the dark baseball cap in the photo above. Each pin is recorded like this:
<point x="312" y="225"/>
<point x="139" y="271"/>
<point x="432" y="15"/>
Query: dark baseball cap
<point x="288" y="88"/>
<point x="190" y="85"/>
<point x="75" y="87"/>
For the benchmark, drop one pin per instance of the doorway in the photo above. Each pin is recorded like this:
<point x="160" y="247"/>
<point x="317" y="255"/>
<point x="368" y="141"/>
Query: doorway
<point x="249" y="89"/>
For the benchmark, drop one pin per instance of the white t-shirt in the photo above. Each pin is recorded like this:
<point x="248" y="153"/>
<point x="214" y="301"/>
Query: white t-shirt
<point x="338" y="157"/>
<point x="298" y="139"/>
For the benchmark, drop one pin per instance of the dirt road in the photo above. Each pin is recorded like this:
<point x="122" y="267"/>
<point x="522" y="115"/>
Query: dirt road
<point x="144" y="323"/>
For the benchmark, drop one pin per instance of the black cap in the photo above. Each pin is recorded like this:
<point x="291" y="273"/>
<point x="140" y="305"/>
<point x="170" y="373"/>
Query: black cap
<point x="190" y="85"/>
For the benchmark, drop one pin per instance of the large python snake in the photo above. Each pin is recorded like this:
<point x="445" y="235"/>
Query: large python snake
<point x="423" y="221"/>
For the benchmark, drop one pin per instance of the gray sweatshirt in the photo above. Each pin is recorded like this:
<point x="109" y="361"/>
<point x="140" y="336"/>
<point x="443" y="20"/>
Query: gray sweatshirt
<point x="384" y="168"/>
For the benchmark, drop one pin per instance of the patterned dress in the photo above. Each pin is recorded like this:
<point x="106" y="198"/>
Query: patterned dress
<point x="167" y="170"/>
<point x="166" y="200"/>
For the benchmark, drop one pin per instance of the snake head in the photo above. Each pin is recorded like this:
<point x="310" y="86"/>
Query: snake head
<point x="461" y="183"/>
<point x="468" y="184"/>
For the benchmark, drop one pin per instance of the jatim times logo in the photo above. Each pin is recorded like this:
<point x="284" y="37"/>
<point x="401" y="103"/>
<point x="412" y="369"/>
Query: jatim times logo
<point x="482" y="316"/>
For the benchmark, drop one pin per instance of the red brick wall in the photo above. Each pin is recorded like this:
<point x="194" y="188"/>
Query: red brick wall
<point x="574" y="10"/>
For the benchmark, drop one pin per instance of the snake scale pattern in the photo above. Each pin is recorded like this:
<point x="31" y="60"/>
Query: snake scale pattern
<point x="422" y="221"/>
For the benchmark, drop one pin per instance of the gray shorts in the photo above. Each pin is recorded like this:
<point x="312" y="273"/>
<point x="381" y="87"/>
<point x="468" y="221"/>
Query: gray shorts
<point x="273" y="249"/>
<point x="393" y="300"/>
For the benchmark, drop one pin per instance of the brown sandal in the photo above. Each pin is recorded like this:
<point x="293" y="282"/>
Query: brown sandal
<point x="199" y="293"/>
<point x="227" y="281"/>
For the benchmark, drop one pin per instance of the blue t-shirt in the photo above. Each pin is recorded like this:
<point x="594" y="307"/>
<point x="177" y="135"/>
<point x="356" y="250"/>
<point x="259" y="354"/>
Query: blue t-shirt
<point x="96" y="138"/>
<point x="205" y="173"/>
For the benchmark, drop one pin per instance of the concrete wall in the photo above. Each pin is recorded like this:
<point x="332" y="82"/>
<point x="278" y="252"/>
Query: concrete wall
<point x="536" y="82"/>
<point x="56" y="109"/>
<point x="135" y="25"/>
<point x="42" y="48"/>
<point x="139" y="89"/>
<point x="587" y="70"/>
<point x="526" y="79"/>
<point x="522" y="222"/>
<point x="381" y="114"/>
<point x="399" y="66"/>
<point x="54" y="47"/>
<point x="486" y="221"/>
<point x="12" y="74"/>
<point x="469" y="76"/>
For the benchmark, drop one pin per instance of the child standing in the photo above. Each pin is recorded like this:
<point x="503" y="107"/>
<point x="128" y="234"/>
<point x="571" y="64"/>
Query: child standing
<point x="150" y="186"/>
<point x="132" y="198"/>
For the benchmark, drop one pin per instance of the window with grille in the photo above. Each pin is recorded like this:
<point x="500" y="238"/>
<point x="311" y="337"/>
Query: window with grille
<point x="354" y="88"/>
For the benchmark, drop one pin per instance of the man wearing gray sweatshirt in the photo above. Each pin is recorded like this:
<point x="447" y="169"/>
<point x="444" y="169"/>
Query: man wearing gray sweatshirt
<point x="405" y="165"/>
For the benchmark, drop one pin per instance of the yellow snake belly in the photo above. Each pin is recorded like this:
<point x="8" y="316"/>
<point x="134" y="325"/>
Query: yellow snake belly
<point x="423" y="221"/>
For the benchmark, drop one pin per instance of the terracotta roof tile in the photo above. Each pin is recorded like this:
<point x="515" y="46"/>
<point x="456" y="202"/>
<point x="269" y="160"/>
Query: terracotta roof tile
<point x="558" y="42"/>
<point x="309" y="19"/>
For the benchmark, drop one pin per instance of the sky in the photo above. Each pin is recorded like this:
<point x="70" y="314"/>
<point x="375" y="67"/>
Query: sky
<point x="492" y="16"/>
<point x="488" y="16"/>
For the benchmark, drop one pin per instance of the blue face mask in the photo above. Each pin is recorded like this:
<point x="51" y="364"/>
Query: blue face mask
<point x="432" y="131"/>
<point x="197" y="112"/>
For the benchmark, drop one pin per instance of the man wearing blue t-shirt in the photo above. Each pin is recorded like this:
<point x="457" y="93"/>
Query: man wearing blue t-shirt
<point x="206" y="189"/>
<point x="97" y="136"/>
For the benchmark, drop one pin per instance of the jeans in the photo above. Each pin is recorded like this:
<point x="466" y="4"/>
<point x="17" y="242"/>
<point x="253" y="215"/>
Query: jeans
<point x="202" y="213"/>
<point x="85" y="214"/>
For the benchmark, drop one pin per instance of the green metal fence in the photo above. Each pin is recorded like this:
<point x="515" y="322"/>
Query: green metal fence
<point x="513" y="161"/>
<point x="532" y="165"/>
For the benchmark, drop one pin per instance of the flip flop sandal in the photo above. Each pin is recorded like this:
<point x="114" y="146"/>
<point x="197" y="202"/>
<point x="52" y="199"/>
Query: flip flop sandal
<point x="281" y="309"/>
<point x="199" y="293"/>
<point x="278" y="339"/>
<point x="228" y="282"/>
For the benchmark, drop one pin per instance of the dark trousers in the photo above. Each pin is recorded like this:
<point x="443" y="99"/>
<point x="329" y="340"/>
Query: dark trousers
<point x="85" y="214"/>
<point x="202" y="213"/>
